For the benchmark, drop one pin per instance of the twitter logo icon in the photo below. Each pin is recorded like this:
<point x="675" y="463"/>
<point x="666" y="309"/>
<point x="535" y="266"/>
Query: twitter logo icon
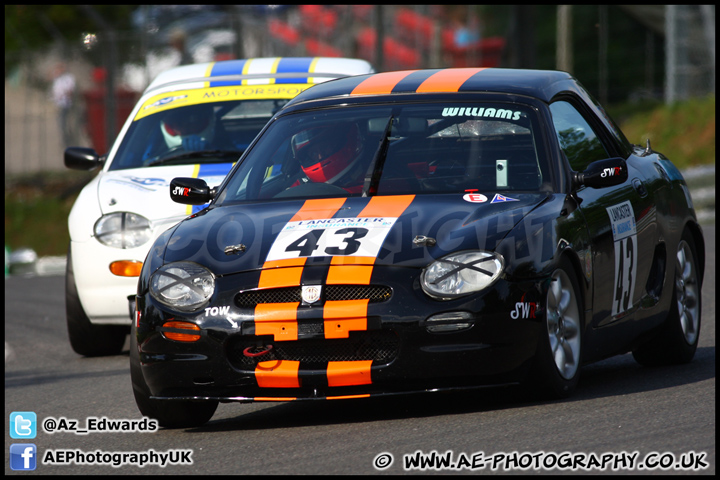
<point x="23" y="425"/>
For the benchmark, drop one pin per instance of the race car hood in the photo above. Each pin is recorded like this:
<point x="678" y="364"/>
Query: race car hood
<point x="381" y="230"/>
<point x="146" y="191"/>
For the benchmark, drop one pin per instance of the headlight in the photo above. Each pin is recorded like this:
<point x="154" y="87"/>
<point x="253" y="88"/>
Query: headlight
<point x="123" y="230"/>
<point x="461" y="273"/>
<point x="183" y="286"/>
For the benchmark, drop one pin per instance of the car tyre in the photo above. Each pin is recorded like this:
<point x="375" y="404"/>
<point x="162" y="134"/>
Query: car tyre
<point x="85" y="338"/>
<point x="555" y="370"/>
<point x="677" y="339"/>
<point x="168" y="413"/>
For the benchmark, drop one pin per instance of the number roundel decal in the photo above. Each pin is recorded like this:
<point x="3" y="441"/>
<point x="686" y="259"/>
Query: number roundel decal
<point x="331" y="237"/>
<point x="624" y="230"/>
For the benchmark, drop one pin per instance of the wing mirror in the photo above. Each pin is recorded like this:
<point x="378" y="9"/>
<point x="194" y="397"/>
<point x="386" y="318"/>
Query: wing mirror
<point x="191" y="191"/>
<point x="601" y="174"/>
<point x="79" y="158"/>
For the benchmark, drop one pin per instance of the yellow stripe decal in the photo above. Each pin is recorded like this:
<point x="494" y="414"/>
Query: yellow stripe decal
<point x="207" y="74"/>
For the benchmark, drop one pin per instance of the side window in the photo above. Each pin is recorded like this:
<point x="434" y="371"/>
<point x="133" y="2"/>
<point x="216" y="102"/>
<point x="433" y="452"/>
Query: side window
<point x="577" y="139"/>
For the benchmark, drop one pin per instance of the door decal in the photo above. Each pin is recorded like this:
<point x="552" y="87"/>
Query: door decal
<point x="624" y="230"/>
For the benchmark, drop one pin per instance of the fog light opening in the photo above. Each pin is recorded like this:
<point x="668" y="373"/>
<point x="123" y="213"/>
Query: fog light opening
<point x="179" y="336"/>
<point x="449" y="322"/>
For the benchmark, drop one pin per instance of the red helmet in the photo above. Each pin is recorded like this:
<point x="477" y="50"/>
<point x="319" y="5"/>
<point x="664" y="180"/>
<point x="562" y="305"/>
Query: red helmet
<point x="325" y="153"/>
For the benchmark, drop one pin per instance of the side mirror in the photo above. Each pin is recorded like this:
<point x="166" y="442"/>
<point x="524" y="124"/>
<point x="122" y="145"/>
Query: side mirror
<point x="190" y="191"/>
<point x="601" y="174"/>
<point x="79" y="158"/>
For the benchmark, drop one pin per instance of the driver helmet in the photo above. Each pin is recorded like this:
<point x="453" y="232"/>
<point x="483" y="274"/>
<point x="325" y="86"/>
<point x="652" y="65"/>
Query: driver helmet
<point x="327" y="153"/>
<point x="197" y="120"/>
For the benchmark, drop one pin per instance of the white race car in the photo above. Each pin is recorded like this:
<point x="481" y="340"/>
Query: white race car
<point x="191" y="121"/>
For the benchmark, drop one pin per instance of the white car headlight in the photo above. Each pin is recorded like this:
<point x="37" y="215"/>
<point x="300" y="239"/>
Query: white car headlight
<point x="123" y="230"/>
<point x="183" y="286"/>
<point x="461" y="273"/>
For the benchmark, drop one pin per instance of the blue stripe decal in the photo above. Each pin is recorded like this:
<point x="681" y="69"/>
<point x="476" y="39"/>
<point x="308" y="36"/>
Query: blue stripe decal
<point x="211" y="170"/>
<point x="231" y="67"/>
<point x="290" y="65"/>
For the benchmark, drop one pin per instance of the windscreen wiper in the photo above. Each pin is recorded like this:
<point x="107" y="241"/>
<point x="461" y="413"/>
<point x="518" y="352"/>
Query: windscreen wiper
<point x="198" y="154"/>
<point x="374" y="172"/>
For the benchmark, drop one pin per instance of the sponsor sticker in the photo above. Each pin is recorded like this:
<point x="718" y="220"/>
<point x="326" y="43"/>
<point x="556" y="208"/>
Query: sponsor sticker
<point x="475" y="198"/>
<point x="502" y="198"/>
<point x="482" y="112"/>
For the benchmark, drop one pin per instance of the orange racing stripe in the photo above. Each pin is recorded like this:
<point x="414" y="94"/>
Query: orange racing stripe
<point x="281" y="273"/>
<point x="380" y="83"/>
<point x="447" y="80"/>
<point x="342" y="316"/>
<point x="350" y="270"/>
<point x="342" y="374"/>
<point x="392" y="206"/>
<point x="278" y="320"/>
<point x="278" y="374"/>
<point x="318" y="209"/>
<point x="346" y="397"/>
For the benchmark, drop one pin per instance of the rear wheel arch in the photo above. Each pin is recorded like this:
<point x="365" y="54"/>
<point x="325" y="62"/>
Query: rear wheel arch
<point x="699" y="244"/>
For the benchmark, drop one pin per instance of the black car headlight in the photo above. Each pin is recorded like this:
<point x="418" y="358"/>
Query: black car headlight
<point x="182" y="286"/>
<point x="461" y="273"/>
<point x="123" y="230"/>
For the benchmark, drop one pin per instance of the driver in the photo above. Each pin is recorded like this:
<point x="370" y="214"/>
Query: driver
<point x="330" y="154"/>
<point x="192" y="127"/>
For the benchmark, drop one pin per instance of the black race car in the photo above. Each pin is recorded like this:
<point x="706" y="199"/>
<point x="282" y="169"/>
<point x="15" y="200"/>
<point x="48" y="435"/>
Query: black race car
<point x="414" y="231"/>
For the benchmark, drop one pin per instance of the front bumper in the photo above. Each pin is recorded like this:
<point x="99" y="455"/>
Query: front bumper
<point x="387" y="350"/>
<point x="104" y="295"/>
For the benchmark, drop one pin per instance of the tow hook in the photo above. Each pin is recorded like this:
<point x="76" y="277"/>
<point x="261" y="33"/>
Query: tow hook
<point x="253" y="351"/>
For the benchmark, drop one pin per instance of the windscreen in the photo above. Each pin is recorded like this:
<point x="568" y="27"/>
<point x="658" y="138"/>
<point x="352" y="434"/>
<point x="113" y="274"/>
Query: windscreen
<point x="202" y="133"/>
<point x="428" y="148"/>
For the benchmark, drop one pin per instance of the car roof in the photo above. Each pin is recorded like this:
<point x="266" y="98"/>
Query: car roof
<point x="541" y="84"/>
<point x="259" y="71"/>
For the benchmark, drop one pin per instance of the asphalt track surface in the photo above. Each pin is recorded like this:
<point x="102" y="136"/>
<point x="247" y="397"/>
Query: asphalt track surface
<point x="621" y="413"/>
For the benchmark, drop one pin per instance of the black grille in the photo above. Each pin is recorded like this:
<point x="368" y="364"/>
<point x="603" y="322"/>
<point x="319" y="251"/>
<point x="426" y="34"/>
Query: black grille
<point x="374" y="293"/>
<point x="380" y="346"/>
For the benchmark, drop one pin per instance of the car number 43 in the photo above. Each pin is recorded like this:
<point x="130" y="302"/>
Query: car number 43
<point x="624" y="232"/>
<point x="334" y="237"/>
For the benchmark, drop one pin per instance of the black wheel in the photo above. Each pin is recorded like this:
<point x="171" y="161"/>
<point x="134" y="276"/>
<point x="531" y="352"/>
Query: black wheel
<point x="556" y="368"/>
<point x="168" y="413"/>
<point x="86" y="338"/>
<point x="677" y="339"/>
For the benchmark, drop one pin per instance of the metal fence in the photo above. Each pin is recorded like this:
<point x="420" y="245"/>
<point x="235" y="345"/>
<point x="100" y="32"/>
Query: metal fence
<point x="391" y="37"/>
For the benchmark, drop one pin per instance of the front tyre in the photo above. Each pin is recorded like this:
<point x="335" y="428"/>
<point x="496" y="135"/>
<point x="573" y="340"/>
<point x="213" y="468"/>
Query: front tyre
<point x="86" y="338"/>
<point x="168" y="413"/>
<point x="677" y="339"/>
<point x="556" y="368"/>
